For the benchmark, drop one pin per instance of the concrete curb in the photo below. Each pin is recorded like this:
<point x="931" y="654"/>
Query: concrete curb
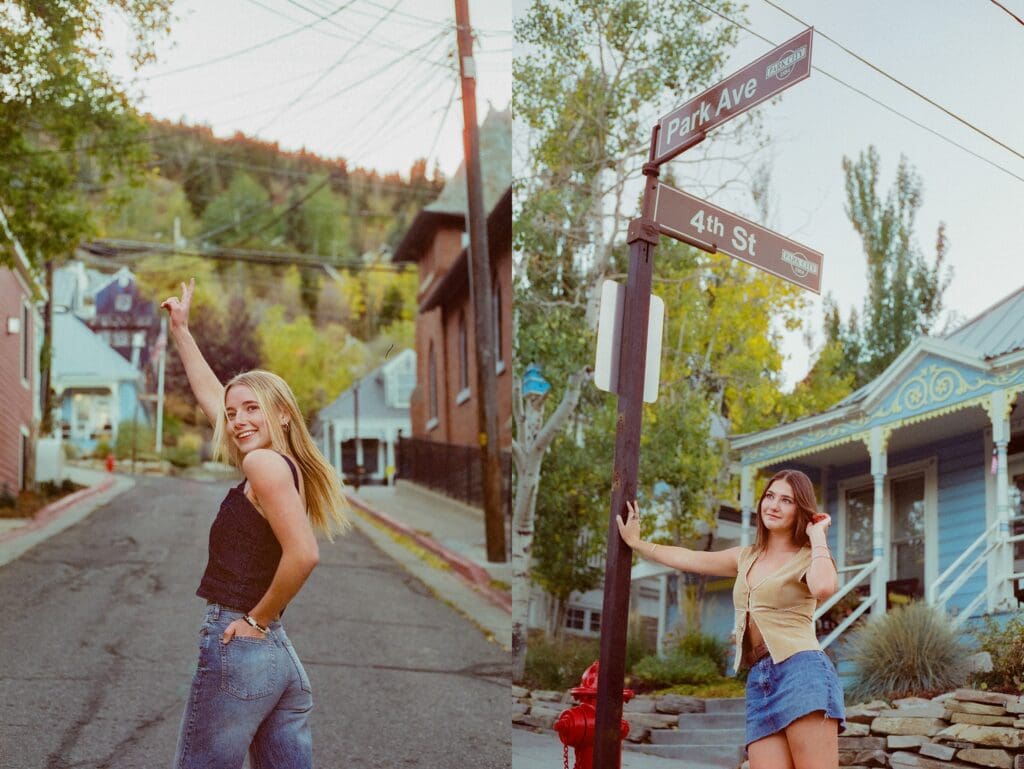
<point x="475" y="575"/>
<point x="52" y="511"/>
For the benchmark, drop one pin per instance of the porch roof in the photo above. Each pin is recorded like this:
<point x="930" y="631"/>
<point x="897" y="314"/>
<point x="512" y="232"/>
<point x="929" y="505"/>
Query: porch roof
<point x="933" y="377"/>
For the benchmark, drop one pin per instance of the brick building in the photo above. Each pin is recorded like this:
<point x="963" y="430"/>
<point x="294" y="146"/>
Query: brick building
<point x="443" y="407"/>
<point x="19" y="363"/>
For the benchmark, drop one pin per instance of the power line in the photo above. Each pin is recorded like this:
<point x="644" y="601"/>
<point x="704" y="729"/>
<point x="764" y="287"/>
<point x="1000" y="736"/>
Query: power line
<point x="136" y="249"/>
<point x="898" y="81"/>
<point x="867" y="96"/>
<point x="241" y="51"/>
<point x="288" y="209"/>
<point x="1015" y="16"/>
<point x="334" y="66"/>
<point x="362" y="81"/>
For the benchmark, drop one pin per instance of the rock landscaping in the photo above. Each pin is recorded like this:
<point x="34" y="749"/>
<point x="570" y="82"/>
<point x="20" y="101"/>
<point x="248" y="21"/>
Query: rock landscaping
<point x="963" y="729"/>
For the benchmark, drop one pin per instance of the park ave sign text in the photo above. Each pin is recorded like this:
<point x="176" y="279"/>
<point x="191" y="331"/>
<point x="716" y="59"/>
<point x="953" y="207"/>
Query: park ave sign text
<point x="777" y="70"/>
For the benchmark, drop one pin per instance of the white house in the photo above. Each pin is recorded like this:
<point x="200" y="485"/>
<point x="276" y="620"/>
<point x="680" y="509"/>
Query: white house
<point x="361" y="427"/>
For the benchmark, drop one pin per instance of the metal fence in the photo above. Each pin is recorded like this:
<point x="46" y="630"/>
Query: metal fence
<point x="452" y="470"/>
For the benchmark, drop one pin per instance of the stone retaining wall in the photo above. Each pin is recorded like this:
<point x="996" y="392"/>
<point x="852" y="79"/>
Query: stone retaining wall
<point x="964" y="729"/>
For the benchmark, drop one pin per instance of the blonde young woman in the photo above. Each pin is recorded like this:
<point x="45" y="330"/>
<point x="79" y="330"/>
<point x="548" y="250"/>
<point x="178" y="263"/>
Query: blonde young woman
<point x="250" y="692"/>
<point x="794" y="700"/>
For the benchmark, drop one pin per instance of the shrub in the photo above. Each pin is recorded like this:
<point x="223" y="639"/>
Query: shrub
<point x="182" y="456"/>
<point x="696" y="644"/>
<point x="7" y="499"/>
<point x="558" y="664"/>
<point x="70" y="450"/>
<point x="1005" y="644"/>
<point x="101" y="450"/>
<point x="144" y="436"/>
<point x="910" y="651"/>
<point x="656" y="672"/>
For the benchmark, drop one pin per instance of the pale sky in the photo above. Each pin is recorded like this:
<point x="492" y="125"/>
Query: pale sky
<point x="371" y="86"/>
<point x="967" y="55"/>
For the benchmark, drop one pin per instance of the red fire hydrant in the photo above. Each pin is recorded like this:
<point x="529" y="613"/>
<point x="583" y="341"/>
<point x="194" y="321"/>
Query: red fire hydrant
<point x="110" y="463"/>
<point x="576" y="725"/>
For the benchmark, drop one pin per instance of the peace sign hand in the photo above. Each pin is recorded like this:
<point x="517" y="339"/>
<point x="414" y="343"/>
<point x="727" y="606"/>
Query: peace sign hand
<point x="178" y="308"/>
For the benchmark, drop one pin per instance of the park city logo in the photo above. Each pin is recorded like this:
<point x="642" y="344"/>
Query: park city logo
<point x="799" y="263"/>
<point x="782" y="68"/>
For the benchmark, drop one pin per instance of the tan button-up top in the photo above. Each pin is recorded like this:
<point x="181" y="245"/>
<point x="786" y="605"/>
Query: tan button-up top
<point x="781" y="604"/>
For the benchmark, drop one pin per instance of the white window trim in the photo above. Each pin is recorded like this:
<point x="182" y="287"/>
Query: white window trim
<point x="499" y="367"/>
<point x="25" y="433"/>
<point x="927" y="466"/>
<point x="25" y="350"/>
<point x="432" y="423"/>
<point x="462" y="396"/>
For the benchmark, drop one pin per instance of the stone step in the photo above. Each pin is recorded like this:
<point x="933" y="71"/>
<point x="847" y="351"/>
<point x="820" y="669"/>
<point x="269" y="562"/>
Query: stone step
<point x="697" y="757"/>
<point x="697" y="737"/>
<point x="711" y="720"/>
<point x="726" y="705"/>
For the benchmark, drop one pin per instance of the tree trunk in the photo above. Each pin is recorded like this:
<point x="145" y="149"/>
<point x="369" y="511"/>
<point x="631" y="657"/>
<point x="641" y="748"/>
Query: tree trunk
<point x="533" y="436"/>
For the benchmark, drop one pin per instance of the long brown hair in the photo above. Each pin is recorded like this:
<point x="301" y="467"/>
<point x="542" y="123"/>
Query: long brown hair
<point x="326" y="503"/>
<point x="806" y="507"/>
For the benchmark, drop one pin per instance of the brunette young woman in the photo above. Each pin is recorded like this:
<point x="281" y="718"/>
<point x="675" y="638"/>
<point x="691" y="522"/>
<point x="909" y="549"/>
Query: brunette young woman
<point x="250" y="692"/>
<point x="794" y="700"/>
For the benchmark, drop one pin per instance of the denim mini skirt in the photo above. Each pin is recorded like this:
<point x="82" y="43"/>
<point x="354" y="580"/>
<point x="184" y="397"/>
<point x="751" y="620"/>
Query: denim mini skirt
<point x="779" y="694"/>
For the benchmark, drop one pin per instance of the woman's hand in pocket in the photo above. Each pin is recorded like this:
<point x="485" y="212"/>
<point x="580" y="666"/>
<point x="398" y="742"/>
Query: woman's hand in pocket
<point x="240" y="628"/>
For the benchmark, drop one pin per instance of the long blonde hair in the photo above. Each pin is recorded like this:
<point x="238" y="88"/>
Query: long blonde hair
<point x="327" y="506"/>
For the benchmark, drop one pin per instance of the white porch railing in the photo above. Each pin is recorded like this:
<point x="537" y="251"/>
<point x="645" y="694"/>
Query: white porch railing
<point x="986" y="543"/>
<point x="864" y="571"/>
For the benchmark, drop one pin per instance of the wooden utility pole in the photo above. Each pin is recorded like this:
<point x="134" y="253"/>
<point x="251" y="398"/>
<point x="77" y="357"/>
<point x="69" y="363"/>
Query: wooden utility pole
<point x="480" y="297"/>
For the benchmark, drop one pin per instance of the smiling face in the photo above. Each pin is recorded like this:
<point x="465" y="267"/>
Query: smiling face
<point x="246" y="420"/>
<point x="778" y="507"/>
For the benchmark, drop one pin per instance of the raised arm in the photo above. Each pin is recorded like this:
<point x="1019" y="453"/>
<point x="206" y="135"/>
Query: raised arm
<point x="717" y="563"/>
<point x="205" y="386"/>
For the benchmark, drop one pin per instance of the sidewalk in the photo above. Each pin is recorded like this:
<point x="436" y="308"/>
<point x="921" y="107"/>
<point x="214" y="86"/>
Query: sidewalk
<point x="452" y="558"/>
<point x="543" y="750"/>
<point x="20" y="535"/>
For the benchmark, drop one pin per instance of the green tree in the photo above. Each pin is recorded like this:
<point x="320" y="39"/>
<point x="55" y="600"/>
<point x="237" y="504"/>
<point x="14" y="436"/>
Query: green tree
<point x="905" y="289"/>
<point x="318" y="364"/>
<point x="241" y="215"/>
<point x="590" y="81"/>
<point x="66" y="125"/>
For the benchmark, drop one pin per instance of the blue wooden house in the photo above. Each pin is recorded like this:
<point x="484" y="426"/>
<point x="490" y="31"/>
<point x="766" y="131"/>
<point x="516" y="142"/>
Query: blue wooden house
<point x="922" y="470"/>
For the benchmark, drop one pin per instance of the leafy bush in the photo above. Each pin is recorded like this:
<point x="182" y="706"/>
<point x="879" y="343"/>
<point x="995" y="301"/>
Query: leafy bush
<point x="7" y="499"/>
<point x="143" y="435"/>
<point x="1006" y="646"/>
<point x="558" y="664"/>
<point x="182" y="456"/>
<point x="910" y="651"/>
<point x="674" y="669"/>
<point x="101" y="450"/>
<point x="70" y="450"/>
<point x="695" y="644"/>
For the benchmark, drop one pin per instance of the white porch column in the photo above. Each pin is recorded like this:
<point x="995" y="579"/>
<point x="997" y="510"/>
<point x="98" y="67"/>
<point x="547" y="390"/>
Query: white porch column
<point x="1001" y="598"/>
<point x="662" y="613"/>
<point x="747" y="473"/>
<point x="389" y="456"/>
<point x="878" y="441"/>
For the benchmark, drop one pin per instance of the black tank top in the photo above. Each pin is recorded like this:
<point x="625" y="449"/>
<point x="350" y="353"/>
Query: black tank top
<point x="244" y="552"/>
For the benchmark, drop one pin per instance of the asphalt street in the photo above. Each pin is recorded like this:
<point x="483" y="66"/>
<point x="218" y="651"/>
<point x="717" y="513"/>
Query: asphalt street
<point x="100" y="633"/>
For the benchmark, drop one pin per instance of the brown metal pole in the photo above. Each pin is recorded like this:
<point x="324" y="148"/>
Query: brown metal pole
<point x="643" y="236"/>
<point x="480" y="296"/>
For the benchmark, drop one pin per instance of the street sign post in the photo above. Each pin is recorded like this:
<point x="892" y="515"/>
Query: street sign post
<point x="777" y="70"/>
<point x="697" y="222"/>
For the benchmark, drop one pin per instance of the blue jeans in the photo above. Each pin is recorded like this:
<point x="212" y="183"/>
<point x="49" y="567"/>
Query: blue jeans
<point x="249" y="694"/>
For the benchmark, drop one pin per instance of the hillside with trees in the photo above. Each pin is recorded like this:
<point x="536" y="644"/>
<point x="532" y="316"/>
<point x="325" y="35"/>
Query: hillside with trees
<point x="290" y="251"/>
